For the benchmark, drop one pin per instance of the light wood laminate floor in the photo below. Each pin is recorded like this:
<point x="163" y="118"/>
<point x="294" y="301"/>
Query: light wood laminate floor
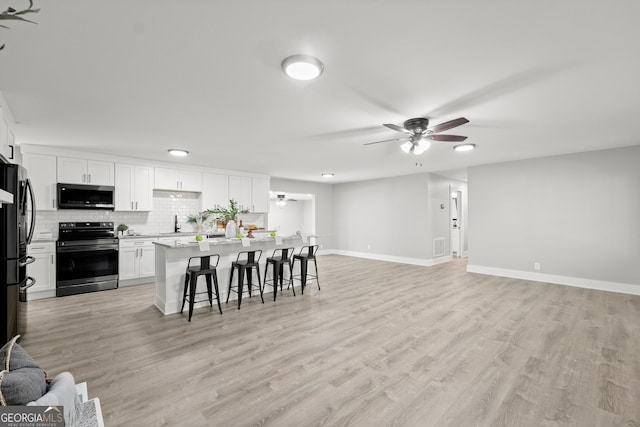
<point x="383" y="344"/>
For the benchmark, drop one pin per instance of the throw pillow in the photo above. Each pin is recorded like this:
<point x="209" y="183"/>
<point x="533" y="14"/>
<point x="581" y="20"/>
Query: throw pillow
<point x="21" y="379"/>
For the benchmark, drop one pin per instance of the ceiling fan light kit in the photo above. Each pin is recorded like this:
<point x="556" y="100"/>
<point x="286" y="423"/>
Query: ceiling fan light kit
<point x="302" y="67"/>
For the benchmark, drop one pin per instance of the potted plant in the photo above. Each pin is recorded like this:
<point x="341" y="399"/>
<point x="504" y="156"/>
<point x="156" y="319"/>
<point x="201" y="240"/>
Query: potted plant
<point x="122" y="228"/>
<point x="228" y="216"/>
<point x="198" y="220"/>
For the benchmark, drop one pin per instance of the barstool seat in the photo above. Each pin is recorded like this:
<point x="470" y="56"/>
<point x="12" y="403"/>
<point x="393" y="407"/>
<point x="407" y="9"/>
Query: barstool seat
<point x="245" y="263"/>
<point x="307" y="253"/>
<point x="279" y="258"/>
<point x="206" y="269"/>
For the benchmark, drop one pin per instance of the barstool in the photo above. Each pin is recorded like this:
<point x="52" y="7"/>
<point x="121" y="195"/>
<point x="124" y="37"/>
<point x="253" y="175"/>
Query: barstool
<point x="207" y="270"/>
<point x="245" y="262"/>
<point x="279" y="258"/>
<point x="307" y="253"/>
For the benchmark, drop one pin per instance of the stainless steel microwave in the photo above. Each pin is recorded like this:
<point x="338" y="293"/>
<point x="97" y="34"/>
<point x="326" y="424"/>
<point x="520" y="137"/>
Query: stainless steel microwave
<point x="77" y="196"/>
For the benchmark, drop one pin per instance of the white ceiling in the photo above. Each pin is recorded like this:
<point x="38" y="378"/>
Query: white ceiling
<point x="138" y="77"/>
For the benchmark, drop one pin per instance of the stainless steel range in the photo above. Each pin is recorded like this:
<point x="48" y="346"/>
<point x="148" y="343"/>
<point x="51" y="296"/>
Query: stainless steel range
<point x="87" y="257"/>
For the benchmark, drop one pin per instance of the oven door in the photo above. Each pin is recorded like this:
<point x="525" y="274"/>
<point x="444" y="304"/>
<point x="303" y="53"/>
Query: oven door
<point x="86" y="268"/>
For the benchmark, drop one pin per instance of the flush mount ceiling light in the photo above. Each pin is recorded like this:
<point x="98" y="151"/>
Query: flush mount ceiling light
<point x="302" y="67"/>
<point x="464" y="147"/>
<point x="177" y="152"/>
<point x="327" y="174"/>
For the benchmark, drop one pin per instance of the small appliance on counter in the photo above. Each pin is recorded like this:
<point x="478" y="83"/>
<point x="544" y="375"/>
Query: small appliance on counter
<point x="87" y="257"/>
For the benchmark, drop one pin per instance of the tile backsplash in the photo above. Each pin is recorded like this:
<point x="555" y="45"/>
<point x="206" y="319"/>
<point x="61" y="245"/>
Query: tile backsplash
<point x="166" y="204"/>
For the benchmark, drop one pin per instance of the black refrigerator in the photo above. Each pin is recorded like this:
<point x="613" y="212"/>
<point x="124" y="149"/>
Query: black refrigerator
<point x="15" y="235"/>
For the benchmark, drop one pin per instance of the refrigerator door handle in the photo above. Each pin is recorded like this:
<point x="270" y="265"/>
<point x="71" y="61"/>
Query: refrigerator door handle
<point x="28" y="260"/>
<point x="33" y="211"/>
<point x="28" y="284"/>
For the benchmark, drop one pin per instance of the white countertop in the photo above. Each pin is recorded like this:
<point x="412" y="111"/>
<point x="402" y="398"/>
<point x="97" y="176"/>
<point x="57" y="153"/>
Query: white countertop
<point x="177" y="244"/>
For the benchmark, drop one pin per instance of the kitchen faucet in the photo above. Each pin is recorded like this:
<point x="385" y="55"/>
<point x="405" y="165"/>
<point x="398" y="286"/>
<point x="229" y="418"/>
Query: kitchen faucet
<point x="176" y="227"/>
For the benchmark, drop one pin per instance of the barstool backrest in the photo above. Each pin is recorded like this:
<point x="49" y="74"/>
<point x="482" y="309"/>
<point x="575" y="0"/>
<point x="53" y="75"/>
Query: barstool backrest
<point x="284" y="253"/>
<point x="309" y="251"/>
<point x="205" y="261"/>
<point x="249" y="256"/>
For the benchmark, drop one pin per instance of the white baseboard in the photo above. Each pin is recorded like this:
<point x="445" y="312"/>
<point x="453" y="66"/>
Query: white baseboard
<point x="623" y="288"/>
<point x="389" y="258"/>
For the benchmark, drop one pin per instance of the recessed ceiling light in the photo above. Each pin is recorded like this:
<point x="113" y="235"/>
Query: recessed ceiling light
<point x="327" y="174"/>
<point x="464" y="147"/>
<point x="178" y="152"/>
<point x="302" y="67"/>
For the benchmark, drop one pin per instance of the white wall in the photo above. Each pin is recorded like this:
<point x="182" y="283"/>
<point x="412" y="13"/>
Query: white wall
<point x="290" y="218"/>
<point x="578" y="215"/>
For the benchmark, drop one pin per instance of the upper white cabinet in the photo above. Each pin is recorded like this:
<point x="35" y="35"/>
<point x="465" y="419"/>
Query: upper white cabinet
<point x="259" y="195"/>
<point x="215" y="190"/>
<point x="81" y="171"/>
<point x="175" y="179"/>
<point x="240" y="190"/>
<point x="134" y="188"/>
<point x="42" y="174"/>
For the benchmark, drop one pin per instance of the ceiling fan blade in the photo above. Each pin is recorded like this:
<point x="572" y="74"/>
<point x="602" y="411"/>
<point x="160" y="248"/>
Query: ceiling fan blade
<point x="446" y="138"/>
<point x="386" y="140"/>
<point x="447" y="125"/>
<point x="396" y="128"/>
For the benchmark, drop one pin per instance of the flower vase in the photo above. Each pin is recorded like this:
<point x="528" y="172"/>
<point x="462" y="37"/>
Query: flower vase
<point x="230" y="230"/>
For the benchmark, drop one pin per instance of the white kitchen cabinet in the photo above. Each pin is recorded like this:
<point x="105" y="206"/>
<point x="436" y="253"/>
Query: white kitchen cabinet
<point x="41" y="169"/>
<point x="43" y="270"/>
<point x="215" y="190"/>
<point x="177" y="179"/>
<point x="134" y="188"/>
<point x="82" y="171"/>
<point x="259" y="195"/>
<point x="240" y="190"/>
<point x="136" y="258"/>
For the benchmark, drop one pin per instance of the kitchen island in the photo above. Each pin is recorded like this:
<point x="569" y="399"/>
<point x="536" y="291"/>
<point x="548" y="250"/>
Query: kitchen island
<point x="172" y="258"/>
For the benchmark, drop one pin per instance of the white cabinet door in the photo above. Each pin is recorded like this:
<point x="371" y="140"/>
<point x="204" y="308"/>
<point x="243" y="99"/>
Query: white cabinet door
<point x="215" y="191"/>
<point x="72" y="171"/>
<point x="259" y="195"/>
<point x="128" y="263"/>
<point x="190" y="181"/>
<point x="133" y="188"/>
<point x="99" y="173"/>
<point x="143" y="188"/>
<point x="42" y="174"/>
<point x="167" y="179"/>
<point x="81" y="171"/>
<point x="43" y="270"/>
<point x="240" y="190"/>
<point x="124" y="187"/>
<point x="147" y="259"/>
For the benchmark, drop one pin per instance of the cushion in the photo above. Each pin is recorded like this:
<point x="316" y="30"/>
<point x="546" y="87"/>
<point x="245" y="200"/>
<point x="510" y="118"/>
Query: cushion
<point x="62" y="392"/>
<point x="21" y="379"/>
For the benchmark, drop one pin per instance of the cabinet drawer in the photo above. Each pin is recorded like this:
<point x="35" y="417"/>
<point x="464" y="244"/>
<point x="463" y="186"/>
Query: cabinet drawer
<point x="136" y="243"/>
<point x="41" y="248"/>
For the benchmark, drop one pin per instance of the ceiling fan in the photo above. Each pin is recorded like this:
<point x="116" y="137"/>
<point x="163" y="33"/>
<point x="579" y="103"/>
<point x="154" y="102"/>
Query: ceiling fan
<point x="419" y="135"/>
<point x="283" y="199"/>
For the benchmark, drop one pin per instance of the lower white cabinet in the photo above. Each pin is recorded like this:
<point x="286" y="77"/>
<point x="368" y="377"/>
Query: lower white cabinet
<point x="43" y="269"/>
<point x="137" y="258"/>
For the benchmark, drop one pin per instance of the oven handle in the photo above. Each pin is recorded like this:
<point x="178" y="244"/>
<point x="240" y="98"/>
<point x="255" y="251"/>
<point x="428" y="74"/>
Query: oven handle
<point x="28" y="285"/>
<point x="81" y="248"/>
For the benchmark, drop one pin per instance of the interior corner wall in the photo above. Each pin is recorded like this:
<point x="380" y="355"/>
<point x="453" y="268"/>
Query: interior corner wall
<point x="387" y="216"/>
<point x="577" y="215"/>
<point x="323" y="205"/>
